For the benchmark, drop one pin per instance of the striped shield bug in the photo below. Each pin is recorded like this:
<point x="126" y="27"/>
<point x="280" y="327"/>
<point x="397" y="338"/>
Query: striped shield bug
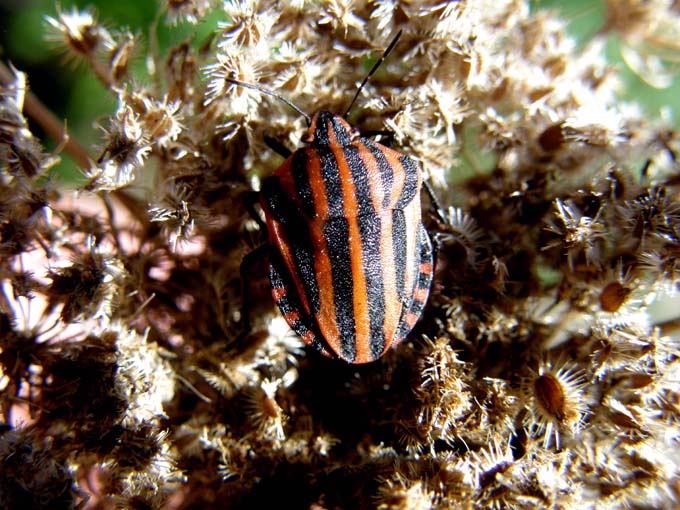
<point x="350" y="261"/>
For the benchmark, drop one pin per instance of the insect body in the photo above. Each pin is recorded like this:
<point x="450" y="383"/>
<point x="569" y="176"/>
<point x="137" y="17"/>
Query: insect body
<point x="350" y="260"/>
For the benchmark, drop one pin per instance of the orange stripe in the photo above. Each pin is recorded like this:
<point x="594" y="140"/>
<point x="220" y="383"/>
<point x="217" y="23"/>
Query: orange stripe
<point x="393" y="304"/>
<point x="278" y="293"/>
<point x="360" y="295"/>
<point x="324" y="278"/>
<point x="392" y="312"/>
<point x="420" y="294"/>
<point x="322" y="264"/>
<point x="285" y="175"/>
<point x="398" y="172"/>
<point x="292" y="317"/>
<point x="316" y="183"/>
<point x="411" y="319"/>
<point x="375" y="184"/>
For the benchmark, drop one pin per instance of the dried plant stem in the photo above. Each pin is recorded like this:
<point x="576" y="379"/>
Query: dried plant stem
<point x="56" y="129"/>
<point x="536" y="376"/>
<point x="101" y="73"/>
<point x="52" y="125"/>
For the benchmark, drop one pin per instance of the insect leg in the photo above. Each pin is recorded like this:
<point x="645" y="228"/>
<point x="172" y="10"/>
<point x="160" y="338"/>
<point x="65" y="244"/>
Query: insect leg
<point x="277" y="146"/>
<point x="250" y="198"/>
<point x="386" y="136"/>
<point x="439" y="210"/>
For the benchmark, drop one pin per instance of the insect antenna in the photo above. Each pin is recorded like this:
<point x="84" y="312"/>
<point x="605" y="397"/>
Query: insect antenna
<point x="272" y="94"/>
<point x="375" y="67"/>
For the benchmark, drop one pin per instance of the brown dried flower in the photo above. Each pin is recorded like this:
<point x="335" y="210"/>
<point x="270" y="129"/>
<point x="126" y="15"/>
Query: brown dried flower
<point x="129" y="374"/>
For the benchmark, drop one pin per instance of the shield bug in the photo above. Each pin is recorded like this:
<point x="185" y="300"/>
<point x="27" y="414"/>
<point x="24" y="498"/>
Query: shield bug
<point x="350" y="261"/>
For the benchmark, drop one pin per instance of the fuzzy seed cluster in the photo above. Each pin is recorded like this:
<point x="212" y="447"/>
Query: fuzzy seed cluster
<point x="536" y="378"/>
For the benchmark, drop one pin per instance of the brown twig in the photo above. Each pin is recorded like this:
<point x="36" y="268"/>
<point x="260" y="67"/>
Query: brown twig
<point x="49" y="122"/>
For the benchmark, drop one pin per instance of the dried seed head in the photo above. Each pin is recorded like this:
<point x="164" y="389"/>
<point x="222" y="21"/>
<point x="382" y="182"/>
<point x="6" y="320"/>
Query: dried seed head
<point x="127" y="147"/>
<point x="238" y="67"/>
<point x="120" y="56"/>
<point x="555" y="400"/>
<point x="187" y="10"/>
<point x="618" y="296"/>
<point x="87" y="288"/>
<point x="31" y="476"/>
<point x="175" y="217"/>
<point x="653" y="217"/>
<point x="264" y="412"/>
<point x="549" y="395"/>
<point x="580" y="235"/>
<point x="552" y="138"/>
<point x="247" y="26"/>
<point x="402" y="494"/>
<point x="443" y="395"/>
<point x="663" y="265"/>
<point x="160" y="120"/>
<point x="144" y="377"/>
<point x="613" y="296"/>
<point x="460" y="240"/>
<point x="78" y="32"/>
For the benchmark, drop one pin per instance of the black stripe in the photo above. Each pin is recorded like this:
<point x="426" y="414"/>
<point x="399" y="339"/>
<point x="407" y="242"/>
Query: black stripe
<point x="417" y="306"/>
<point x="386" y="171"/>
<point x="410" y="189"/>
<point x="290" y="302"/>
<point x="275" y="199"/>
<point x="326" y="121"/>
<point x="399" y="247"/>
<point x="275" y="264"/>
<point x="297" y="238"/>
<point x="369" y="228"/>
<point x="331" y="178"/>
<point x="424" y="280"/>
<point x="362" y="190"/>
<point x="336" y="234"/>
<point x="301" y="179"/>
<point x="286" y="303"/>
<point x="321" y="129"/>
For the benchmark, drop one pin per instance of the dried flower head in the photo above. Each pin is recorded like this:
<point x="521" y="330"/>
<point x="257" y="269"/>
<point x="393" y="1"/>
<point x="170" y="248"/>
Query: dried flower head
<point x="549" y="382"/>
<point x="78" y="33"/>
<point x="236" y="67"/>
<point x="187" y="10"/>
<point x="401" y="494"/>
<point x="248" y="25"/>
<point x="88" y="288"/>
<point x="649" y="35"/>
<point x="125" y="151"/>
<point x="581" y="236"/>
<point x="443" y="396"/>
<point x="556" y="401"/>
<point x="264" y="412"/>
<point x="460" y="237"/>
<point x="31" y="476"/>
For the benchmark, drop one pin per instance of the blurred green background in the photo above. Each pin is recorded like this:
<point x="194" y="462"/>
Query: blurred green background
<point x="73" y="93"/>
